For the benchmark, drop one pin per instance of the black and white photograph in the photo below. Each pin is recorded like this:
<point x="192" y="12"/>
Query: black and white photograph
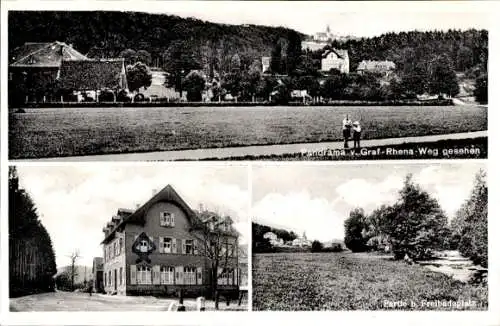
<point x="129" y="238"/>
<point x="370" y="237"/>
<point x="219" y="82"/>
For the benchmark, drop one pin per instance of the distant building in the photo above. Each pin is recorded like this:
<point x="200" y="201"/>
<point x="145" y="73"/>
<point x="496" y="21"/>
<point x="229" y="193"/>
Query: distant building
<point x="301" y="241"/>
<point x="382" y="67"/>
<point x="273" y="239"/>
<point x="313" y="45"/>
<point x="335" y="59"/>
<point x="98" y="274"/>
<point x="266" y="63"/>
<point x="158" y="249"/>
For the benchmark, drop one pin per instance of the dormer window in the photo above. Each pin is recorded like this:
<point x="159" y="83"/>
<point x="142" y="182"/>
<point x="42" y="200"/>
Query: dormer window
<point x="167" y="219"/>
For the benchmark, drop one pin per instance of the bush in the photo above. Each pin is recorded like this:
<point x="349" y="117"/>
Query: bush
<point x="481" y="91"/>
<point x="106" y="96"/>
<point x="316" y="246"/>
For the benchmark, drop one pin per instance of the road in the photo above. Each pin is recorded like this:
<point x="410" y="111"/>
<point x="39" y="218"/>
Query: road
<point x="75" y="301"/>
<point x="264" y="150"/>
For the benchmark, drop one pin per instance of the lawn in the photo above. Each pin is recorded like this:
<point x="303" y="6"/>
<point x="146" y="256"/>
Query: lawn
<point x="86" y="131"/>
<point x="74" y="301"/>
<point x="346" y="281"/>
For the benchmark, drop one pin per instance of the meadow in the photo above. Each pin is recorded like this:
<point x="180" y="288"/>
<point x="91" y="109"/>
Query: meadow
<point x="361" y="281"/>
<point x="61" y="132"/>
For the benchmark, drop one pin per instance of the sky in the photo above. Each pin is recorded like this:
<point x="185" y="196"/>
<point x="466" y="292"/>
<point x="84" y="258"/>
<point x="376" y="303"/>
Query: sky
<point x="317" y="199"/>
<point x="75" y="203"/>
<point x="356" y="19"/>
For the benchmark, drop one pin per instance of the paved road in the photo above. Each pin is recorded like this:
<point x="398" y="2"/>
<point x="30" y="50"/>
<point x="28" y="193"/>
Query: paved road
<point x="264" y="150"/>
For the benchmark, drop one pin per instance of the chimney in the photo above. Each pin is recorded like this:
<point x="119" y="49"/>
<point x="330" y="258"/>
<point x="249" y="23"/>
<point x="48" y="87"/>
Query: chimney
<point x="137" y="206"/>
<point x="154" y="192"/>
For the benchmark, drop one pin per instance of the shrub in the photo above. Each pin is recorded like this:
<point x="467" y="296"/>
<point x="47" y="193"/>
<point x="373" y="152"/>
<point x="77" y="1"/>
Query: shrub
<point x="316" y="246"/>
<point x="354" y="228"/>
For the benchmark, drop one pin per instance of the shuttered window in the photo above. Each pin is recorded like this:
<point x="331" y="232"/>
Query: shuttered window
<point x="144" y="275"/>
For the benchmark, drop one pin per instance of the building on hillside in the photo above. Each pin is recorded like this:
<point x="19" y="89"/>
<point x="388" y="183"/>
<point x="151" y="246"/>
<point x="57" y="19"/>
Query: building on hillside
<point x="273" y="239"/>
<point x="380" y="67"/>
<point x="158" y="249"/>
<point x="302" y="241"/>
<point x="34" y="69"/>
<point x="313" y="45"/>
<point x="98" y="274"/>
<point x="335" y="59"/>
<point x="266" y="64"/>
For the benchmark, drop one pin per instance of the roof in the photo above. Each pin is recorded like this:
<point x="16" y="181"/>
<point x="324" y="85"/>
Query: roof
<point x="167" y="194"/>
<point x="376" y="65"/>
<point x="43" y="54"/>
<point x="93" y="74"/>
<point x="343" y="54"/>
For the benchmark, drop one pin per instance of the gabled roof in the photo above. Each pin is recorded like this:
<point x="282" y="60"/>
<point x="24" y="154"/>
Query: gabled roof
<point x="93" y="74"/>
<point x="343" y="54"/>
<point x="167" y="194"/>
<point x="43" y="55"/>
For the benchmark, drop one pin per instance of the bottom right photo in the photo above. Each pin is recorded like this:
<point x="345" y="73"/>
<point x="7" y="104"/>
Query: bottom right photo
<point x="371" y="236"/>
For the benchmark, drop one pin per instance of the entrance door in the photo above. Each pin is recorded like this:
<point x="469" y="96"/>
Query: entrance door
<point x="115" y="280"/>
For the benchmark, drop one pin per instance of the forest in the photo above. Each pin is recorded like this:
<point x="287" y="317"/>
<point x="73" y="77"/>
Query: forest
<point x="31" y="256"/>
<point x="259" y="244"/>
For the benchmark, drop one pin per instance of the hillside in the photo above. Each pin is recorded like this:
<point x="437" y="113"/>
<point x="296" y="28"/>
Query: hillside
<point x="107" y="34"/>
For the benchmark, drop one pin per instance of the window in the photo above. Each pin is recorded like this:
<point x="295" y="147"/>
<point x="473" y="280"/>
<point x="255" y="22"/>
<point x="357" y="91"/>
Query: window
<point x="167" y="219"/>
<point x="229" y="250"/>
<point x="166" y="275"/>
<point x="109" y="278"/>
<point x="226" y="277"/>
<point x="115" y="248"/>
<point x="165" y="245"/>
<point x="10" y="76"/>
<point x="189" y="247"/>
<point x="144" y="275"/>
<point x="105" y="279"/>
<point x="121" y="275"/>
<point x="189" y="275"/>
<point x="120" y="247"/>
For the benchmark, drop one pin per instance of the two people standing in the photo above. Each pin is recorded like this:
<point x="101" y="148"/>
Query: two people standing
<point x="355" y="126"/>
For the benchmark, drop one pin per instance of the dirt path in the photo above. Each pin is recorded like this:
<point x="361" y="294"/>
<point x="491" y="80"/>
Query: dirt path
<point x="264" y="150"/>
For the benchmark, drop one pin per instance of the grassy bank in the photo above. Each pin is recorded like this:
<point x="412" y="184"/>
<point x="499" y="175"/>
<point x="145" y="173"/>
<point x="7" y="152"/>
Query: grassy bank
<point x="443" y="149"/>
<point x="346" y="281"/>
<point x="91" y="131"/>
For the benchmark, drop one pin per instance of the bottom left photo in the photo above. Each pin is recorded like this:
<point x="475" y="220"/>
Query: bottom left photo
<point x="128" y="237"/>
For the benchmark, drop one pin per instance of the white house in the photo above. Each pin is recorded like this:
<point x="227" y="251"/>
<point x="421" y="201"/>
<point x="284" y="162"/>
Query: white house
<point x="301" y="241"/>
<point x="335" y="59"/>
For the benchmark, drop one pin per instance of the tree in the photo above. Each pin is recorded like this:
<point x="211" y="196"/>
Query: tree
<point x="276" y="59"/>
<point x="316" y="246"/>
<point x="138" y="75"/>
<point x="481" y="90"/>
<point x="129" y="55"/>
<point x="416" y="223"/>
<point x="73" y="272"/>
<point x="219" y="244"/>
<point x="194" y="84"/>
<point x="354" y="228"/>
<point x="178" y="60"/>
<point x="443" y="79"/>
<point x="470" y="226"/>
<point x="31" y="256"/>
<point x="144" y="57"/>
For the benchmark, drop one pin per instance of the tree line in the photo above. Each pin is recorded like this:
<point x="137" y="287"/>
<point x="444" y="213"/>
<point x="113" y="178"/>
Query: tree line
<point x="32" y="261"/>
<point x="417" y="226"/>
<point x="260" y="244"/>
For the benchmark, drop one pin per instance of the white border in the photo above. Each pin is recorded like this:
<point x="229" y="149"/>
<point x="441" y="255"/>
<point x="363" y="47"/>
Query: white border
<point x="492" y="317"/>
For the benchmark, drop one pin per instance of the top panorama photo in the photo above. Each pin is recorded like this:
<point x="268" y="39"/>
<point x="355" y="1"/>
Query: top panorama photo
<point x="118" y="86"/>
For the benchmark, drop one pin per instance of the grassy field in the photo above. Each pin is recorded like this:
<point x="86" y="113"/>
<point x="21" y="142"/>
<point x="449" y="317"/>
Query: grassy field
<point x="346" y="281"/>
<point x="73" y="301"/>
<point x="87" y="131"/>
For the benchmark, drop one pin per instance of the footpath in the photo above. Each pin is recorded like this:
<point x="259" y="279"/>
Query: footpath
<point x="258" y="150"/>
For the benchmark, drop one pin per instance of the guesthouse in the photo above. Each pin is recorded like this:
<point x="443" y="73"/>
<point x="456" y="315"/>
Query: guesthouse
<point x="162" y="247"/>
<point x="335" y="59"/>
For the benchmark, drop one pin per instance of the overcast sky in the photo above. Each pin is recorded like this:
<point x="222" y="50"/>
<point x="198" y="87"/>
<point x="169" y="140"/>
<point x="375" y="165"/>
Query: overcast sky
<point x="357" y="19"/>
<point x="74" y="203"/>
<point x="317" y="199"/>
